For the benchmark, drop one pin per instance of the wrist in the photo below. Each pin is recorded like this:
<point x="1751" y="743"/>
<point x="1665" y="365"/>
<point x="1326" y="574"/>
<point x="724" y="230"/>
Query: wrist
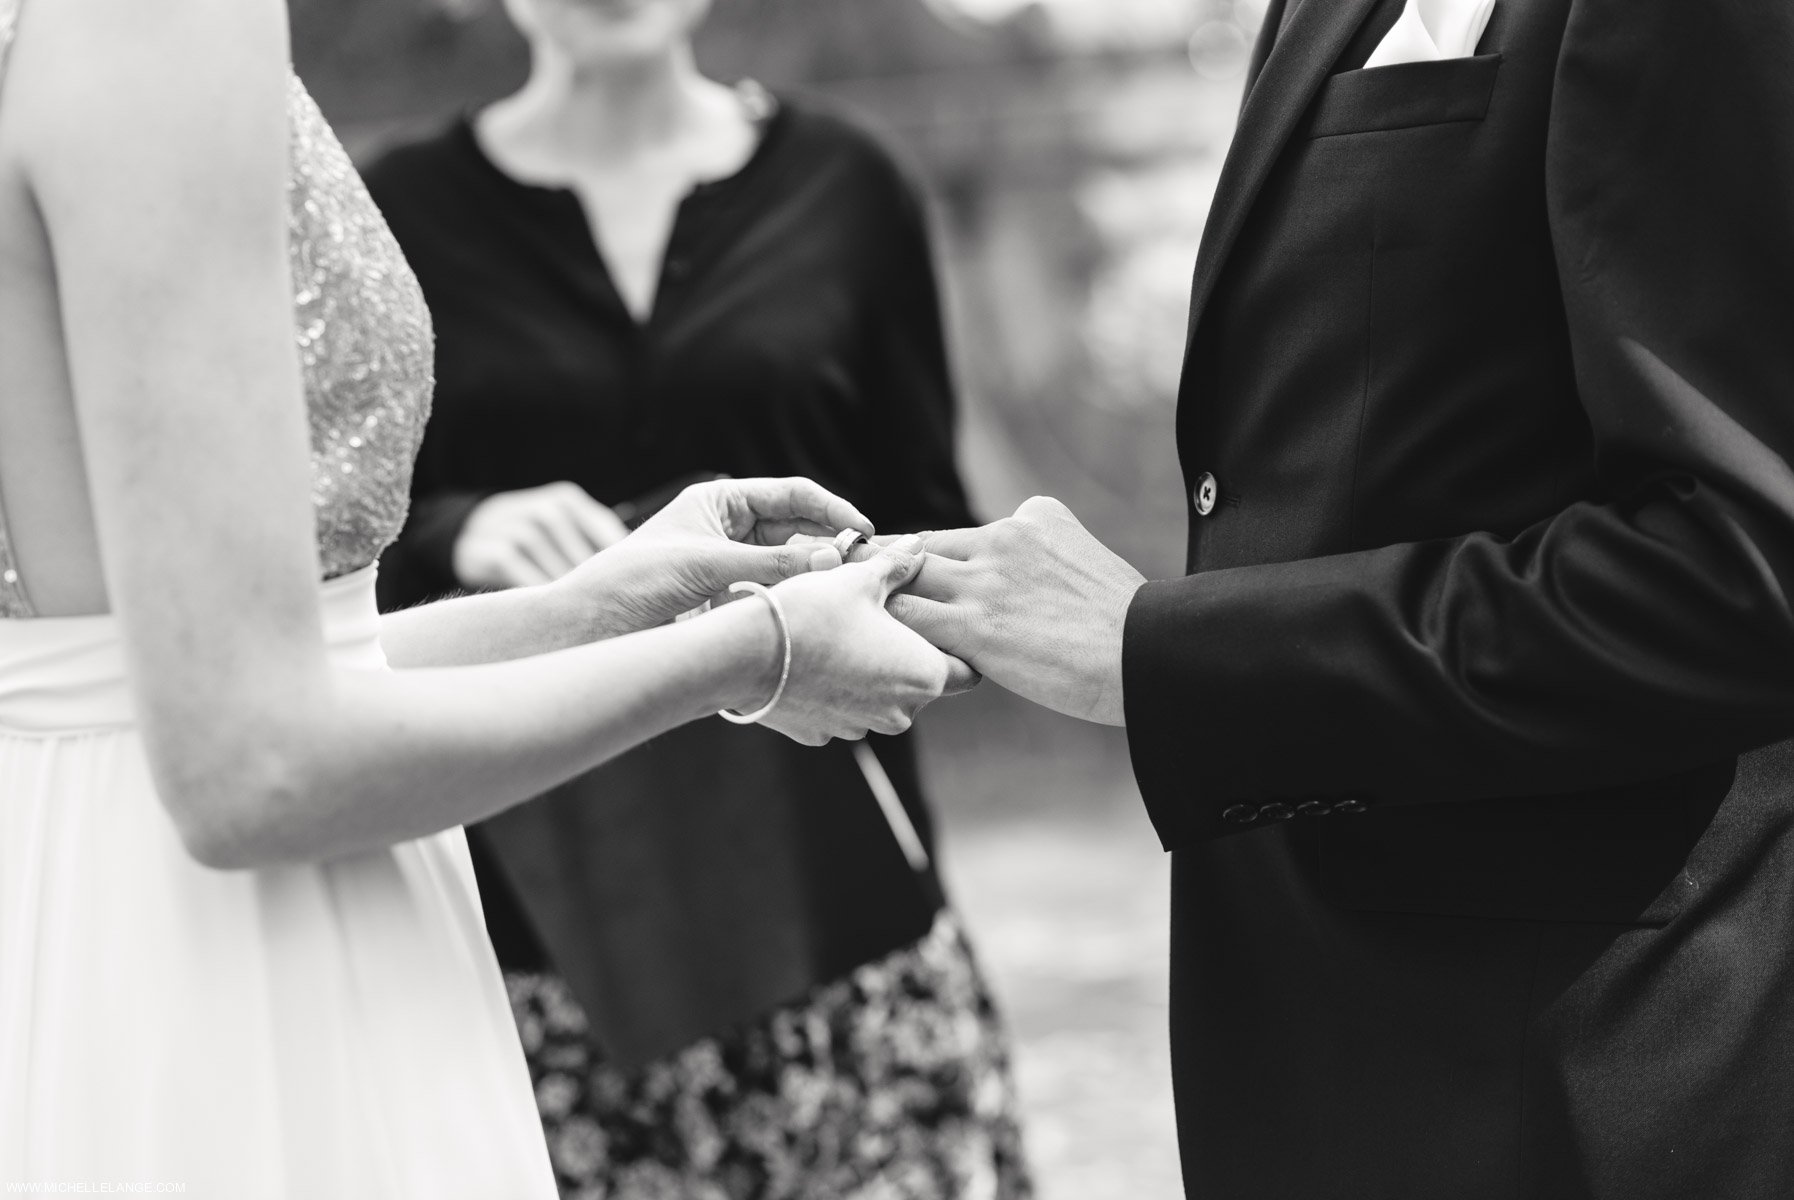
<point x="590" y="599"/>
<point x="1110" y="681"/>
<point x="753" y="654"/>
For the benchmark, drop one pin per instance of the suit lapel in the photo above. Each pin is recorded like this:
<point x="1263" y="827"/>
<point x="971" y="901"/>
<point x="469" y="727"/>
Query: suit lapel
<point x="1261" y="49"/>
<point x="1287" y="70"/>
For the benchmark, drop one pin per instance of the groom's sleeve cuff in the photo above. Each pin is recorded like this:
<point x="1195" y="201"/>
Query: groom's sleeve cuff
<point x="1190" y="747"/>
<point x="1251" y="698"/>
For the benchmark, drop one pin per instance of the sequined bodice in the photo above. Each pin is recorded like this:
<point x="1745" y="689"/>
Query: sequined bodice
<point x="364" y="345"/>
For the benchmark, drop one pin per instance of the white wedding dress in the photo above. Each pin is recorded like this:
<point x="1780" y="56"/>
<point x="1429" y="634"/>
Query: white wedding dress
<point x="330" y="1031"/>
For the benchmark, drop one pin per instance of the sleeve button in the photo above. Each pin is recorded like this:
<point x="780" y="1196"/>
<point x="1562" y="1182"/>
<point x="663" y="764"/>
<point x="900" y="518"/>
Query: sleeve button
<point x="1276" y="811"/>
<point x="1239" y="814"/>
<point x="1313" y="808"/>
<point x="1351" y="804"/>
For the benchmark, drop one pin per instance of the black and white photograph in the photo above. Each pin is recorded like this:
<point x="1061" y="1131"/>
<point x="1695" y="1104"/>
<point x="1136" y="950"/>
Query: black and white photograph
<point x="897" y="599"/>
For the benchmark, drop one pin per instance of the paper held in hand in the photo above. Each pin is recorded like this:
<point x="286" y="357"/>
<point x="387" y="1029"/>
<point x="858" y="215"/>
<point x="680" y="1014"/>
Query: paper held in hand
<point x="885" y="792"/>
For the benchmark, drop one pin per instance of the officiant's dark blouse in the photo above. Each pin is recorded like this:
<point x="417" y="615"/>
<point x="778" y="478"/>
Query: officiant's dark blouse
<point x="718" y="871"/>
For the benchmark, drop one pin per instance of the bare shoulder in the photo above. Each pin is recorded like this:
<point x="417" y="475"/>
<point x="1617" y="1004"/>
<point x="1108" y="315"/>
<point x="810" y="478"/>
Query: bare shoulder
<point x="104" y="75"/>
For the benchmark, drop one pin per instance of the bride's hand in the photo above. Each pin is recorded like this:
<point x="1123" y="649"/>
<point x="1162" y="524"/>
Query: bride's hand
<point x="711" y="536"/>
<point x="854" y="668"/>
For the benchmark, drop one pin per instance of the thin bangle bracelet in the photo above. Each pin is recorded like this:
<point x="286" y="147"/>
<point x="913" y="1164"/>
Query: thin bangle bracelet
<point x="778" y="616"/>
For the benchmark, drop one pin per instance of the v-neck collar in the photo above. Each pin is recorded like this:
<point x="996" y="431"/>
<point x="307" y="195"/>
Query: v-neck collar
<point x="772" y="127"/>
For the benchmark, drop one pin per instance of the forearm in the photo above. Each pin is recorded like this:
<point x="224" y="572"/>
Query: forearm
<point x="384" y="757"/>
<point x="490" y="627"/>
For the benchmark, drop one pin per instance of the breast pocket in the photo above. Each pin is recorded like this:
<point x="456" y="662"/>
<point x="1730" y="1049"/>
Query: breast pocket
<point x="1405" y="96"/>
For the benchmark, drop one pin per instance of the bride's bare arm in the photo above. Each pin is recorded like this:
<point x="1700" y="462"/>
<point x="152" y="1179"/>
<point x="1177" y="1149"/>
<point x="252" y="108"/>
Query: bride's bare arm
<point x="709" y="537"/>
<point x="154" y="139"/>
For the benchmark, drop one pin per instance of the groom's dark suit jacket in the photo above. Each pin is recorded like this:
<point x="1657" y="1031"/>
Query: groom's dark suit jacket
<point x="1491" y="380"/>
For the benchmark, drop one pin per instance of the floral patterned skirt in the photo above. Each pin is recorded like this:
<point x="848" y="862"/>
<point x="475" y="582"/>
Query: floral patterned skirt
<point x="890" y="1084"/>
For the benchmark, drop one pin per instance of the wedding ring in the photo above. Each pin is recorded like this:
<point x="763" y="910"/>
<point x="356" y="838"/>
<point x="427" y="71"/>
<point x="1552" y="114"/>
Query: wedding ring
<point x="846" y="540"/>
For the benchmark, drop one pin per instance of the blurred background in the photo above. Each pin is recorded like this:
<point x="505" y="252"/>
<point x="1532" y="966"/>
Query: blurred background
<point x="1070" y="148"/>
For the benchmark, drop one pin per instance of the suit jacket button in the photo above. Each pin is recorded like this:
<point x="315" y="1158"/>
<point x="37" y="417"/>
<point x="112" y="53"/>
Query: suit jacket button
<point x="1351" y="804"/>
<point x="1313" y="808"/>
<point x="1275" y="811"/>
<point x="1204" y="495"/>
<point x="1239" y="814"/>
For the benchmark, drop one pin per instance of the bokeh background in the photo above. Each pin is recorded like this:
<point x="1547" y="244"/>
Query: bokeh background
<point x="1070" y="149"/>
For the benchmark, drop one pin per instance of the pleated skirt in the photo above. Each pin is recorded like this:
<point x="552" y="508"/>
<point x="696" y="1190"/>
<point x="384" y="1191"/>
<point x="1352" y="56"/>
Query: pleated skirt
<point x="330" y="1030"/>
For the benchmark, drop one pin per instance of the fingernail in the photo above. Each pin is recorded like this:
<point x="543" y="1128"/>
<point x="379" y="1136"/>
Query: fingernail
<point x="908" y="544"/>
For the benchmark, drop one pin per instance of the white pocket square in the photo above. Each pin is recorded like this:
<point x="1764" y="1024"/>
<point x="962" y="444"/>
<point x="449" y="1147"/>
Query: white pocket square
<point x="1429" y="30"/>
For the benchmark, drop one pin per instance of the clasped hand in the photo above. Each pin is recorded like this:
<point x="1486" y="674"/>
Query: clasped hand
<point x="854" y="669"/>
<point x="1033" y="601"/>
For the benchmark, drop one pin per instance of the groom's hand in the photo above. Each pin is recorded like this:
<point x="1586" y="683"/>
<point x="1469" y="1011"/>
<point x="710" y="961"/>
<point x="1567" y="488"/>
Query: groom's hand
<point x="1032" y="601"/>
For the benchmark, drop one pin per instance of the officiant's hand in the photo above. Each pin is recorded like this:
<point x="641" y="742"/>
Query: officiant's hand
<point x="712" y="535"/>
<point x="1034" y="602"/>
<point x="531" y="536"/>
